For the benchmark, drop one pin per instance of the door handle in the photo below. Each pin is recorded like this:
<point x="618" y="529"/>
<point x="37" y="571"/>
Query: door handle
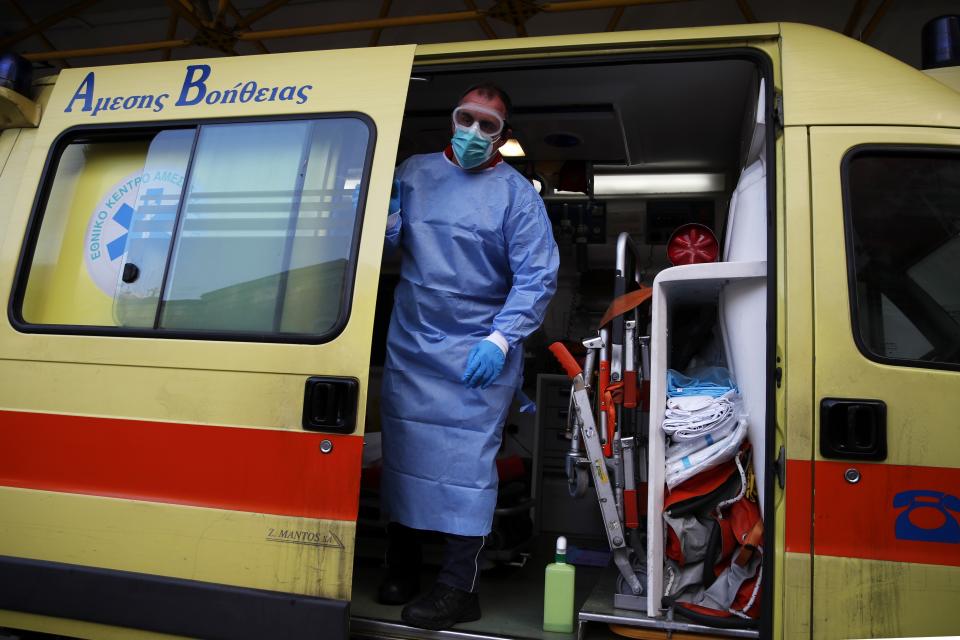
<point x="330" y="404"/>
<point x="853" y="429"/>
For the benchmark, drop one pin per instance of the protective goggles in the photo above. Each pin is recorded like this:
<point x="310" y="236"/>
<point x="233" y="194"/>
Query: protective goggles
<point x="489" y="122"/>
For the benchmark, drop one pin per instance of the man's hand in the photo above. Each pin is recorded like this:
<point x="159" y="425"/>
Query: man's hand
<point x="394" y="197"/>
<point x="484" y="364"/>
<point x="355" y="197"/>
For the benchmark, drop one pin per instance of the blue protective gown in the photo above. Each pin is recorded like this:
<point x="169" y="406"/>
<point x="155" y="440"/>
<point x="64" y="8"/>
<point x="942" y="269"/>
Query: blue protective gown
<point x="478" y="255"/>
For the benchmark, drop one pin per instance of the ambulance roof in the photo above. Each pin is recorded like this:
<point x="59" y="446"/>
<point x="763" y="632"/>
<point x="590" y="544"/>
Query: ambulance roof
<point x="827" y="78"/>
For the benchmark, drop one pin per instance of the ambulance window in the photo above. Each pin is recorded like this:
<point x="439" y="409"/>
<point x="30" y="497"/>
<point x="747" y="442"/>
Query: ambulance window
<point x="265" y="232"/>
<point x="246" y="228"/>
<point x="84" y="230"/>
<point x="904" y="247"/>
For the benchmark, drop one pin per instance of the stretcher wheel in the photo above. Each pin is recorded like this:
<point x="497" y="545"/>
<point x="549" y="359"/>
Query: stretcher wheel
<point x="640" y="571"/>
<point x="578" y="484"/>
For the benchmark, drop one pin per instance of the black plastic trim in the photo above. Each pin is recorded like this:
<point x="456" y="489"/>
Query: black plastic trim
<point x="124" y="131"/>
<point x="849" y="156"/>
<point x="167" y="605"/>
<point x="720" y="622"/>
<point x="768" y="565"/>
<point x="584" y="59"/>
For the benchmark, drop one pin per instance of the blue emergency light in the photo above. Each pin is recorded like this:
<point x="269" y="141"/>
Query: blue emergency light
<point x="941" y="42"/>
<point x="16" y="73"/>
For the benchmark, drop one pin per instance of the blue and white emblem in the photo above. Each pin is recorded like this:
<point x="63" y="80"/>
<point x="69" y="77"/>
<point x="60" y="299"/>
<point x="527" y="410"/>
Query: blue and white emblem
<point x="108" y="231"/>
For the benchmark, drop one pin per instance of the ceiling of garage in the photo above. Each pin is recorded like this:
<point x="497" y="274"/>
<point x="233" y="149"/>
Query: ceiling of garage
<point x="56" y="33"/>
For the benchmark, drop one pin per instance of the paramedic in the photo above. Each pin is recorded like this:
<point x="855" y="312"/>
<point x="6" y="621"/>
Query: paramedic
<point x="479" y="265"/>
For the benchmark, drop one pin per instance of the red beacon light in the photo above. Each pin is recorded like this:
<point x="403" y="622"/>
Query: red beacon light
<point x="692" y="244"/>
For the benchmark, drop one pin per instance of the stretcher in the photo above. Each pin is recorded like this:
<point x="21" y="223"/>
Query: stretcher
<point x="605" y="434"/>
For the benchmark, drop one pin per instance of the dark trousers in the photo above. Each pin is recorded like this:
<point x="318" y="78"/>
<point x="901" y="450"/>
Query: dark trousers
<point x="461" y="556"/>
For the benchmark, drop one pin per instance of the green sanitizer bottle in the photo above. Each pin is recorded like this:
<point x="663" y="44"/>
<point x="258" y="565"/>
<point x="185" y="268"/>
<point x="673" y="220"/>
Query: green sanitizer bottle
<point x="558" y="592"/>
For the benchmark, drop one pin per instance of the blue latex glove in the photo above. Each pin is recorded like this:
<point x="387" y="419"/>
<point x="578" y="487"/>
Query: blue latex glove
<point x="484" y="364"/>
<point x="395" y="197"/>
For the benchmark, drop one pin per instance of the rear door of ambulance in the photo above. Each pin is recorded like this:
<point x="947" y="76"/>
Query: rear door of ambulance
<point x="886" y="470"/>
<point x="191" y="270"/>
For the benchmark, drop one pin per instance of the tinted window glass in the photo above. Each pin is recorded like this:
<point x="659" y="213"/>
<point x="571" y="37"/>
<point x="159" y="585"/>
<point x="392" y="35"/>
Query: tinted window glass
<point x="245" y="228"/>
<point x="904" y="214"/>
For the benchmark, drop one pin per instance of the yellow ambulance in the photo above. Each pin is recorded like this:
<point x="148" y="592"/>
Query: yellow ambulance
<point x="191" y="254"/>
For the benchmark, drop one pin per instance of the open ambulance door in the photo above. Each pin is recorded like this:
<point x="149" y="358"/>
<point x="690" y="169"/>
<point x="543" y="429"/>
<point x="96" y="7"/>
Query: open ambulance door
<point x="885" y="474"/>
<point x="191" y="290"/>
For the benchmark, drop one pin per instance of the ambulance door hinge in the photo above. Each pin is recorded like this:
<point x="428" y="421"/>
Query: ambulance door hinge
<point x="778" y="376"/>
<point x="780" y="467"/>
<point x="778" y="119"/>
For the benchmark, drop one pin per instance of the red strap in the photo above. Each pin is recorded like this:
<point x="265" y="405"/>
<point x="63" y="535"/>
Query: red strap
<point x="612" y="396"/>
<point x="630" y="516"/>
<point x="604" y="383"/>
<point x="630" y="389"/>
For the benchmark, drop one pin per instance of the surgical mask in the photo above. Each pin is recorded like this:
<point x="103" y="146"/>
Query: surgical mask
<point x="476" y="129"/>
<point x="471" y="147"/>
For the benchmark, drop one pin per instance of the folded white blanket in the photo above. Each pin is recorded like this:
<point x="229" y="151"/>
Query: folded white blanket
<point x="691" y="417"/>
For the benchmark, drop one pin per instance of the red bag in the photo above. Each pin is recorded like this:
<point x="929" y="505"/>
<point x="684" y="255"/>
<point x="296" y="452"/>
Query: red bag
<point x="733" y="553"/>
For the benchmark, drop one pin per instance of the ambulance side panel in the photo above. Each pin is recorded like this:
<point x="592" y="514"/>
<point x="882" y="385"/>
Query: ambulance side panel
<point x="885" y="472"/>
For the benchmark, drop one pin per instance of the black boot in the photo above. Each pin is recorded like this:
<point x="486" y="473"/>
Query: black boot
<point x="441" y="608"/>
<point x="402" y="579"/>
<point x="396" y="590"/>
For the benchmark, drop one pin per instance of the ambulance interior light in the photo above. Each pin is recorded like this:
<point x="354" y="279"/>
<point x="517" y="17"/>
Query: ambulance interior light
<point x="512" y="149"/>
<point x="633" y="184"/>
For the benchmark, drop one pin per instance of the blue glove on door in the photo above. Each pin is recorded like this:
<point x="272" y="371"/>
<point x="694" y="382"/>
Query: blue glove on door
<point x="394" y="197"/>
<point x="484" y="364"/>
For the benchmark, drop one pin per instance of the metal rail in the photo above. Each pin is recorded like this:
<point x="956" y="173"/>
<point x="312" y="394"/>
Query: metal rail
<point x="220" y="36"/>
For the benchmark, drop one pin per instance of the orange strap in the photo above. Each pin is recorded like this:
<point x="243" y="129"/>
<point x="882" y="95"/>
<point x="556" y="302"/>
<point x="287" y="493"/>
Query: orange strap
<point x="612" y="395"/>
<point x="626" y="302"/>
<point x="750" y="543"/>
